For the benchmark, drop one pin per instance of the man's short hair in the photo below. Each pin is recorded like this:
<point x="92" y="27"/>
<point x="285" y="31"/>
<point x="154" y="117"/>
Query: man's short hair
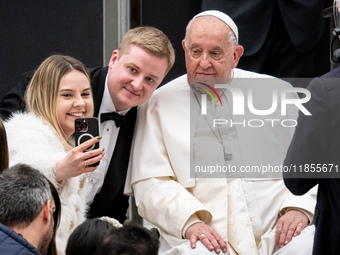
<point x="129" y="240"/>
<point x="24" y="192"/>
<point x="150" y="39"/>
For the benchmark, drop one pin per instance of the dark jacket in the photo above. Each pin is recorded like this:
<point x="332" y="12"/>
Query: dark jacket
<point x="316" y="145"/>
<point x="12" y="243"/>
<point x="302" y="19"/>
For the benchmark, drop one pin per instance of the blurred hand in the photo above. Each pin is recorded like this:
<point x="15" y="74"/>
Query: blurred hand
<point x="289" y="225"/>
<point x="207" y="235"/>
<point x="77" y="162"/>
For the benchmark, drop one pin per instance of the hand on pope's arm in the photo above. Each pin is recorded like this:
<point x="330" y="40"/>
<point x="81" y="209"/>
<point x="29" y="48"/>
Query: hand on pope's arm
<point x="207" y="235"/>
<point x="77" y="162"/>
<point x="289" y="225"/>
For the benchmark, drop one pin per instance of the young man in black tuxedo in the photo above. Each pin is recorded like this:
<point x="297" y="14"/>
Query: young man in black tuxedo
<point x="135" y="70"/>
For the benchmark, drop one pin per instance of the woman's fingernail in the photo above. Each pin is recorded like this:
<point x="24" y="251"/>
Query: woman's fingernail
<point x="99" y="137"/>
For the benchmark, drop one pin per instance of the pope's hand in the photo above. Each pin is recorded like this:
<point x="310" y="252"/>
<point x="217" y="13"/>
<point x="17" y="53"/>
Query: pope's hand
<point x="207" y="235"/>
<point x="289" y="225"/>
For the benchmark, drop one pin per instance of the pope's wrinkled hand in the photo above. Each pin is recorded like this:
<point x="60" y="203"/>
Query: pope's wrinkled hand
<point x="289" y="225"/>
<point x="207" y="235"/>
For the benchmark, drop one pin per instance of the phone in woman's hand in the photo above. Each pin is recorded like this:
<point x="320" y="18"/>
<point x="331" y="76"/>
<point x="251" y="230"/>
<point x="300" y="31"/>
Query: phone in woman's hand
<point x="86" y="129"/>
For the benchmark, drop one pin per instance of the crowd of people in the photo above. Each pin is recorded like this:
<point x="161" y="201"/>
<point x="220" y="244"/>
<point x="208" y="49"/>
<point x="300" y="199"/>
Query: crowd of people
<point x="56" y="199"/>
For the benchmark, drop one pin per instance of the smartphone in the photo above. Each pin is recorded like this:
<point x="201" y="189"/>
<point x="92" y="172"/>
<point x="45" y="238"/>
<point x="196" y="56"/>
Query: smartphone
<point x="86" y="129"/>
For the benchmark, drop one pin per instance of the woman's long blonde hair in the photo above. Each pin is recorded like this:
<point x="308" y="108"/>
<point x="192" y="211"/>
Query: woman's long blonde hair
<point x="43" y="90"/>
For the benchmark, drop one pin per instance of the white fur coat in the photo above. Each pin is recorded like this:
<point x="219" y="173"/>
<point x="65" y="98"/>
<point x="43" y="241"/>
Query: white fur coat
<point x="35" y="143"/>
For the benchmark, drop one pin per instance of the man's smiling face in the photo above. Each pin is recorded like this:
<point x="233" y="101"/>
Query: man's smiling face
<point x="134" y="76"/>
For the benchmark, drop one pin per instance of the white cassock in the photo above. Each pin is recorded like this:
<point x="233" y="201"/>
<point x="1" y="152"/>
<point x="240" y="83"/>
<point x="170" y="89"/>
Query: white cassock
<point x="243" y="210"/>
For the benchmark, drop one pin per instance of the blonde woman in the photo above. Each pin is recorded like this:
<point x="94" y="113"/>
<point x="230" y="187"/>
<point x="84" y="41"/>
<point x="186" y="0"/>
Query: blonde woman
<point x="58" y="93"/>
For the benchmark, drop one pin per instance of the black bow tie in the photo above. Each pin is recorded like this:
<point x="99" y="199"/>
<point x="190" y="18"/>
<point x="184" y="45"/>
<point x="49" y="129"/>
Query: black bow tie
<point x="119" y="120"/>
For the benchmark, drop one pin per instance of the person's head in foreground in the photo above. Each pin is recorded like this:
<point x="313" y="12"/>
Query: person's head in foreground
<point x="129" y="240"/>
<point x="30" y="206"/>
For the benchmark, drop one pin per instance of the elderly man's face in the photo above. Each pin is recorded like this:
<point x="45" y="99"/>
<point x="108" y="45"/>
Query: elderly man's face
<point x="207" y="52"/>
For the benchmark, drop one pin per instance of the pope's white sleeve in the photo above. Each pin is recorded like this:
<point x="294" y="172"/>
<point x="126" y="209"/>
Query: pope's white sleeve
<point x="168" y="205"/>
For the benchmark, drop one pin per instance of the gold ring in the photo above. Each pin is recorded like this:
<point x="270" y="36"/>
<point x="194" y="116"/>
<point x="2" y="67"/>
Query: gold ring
<point x="86" y="164"/>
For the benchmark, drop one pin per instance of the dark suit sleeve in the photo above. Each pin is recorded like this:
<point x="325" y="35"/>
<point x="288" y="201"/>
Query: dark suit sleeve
<point x="310" y="141"/>
<point x="14" y="101"/>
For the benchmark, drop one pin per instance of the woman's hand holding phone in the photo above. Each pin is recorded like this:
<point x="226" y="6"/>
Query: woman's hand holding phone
<point x="79" y="160"/>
